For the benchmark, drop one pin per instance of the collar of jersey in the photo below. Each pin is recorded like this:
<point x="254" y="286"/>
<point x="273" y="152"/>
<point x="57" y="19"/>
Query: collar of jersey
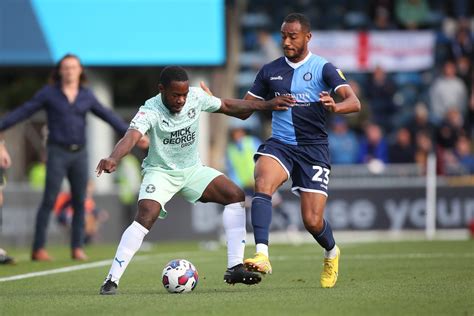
<point x="296" y="65"/>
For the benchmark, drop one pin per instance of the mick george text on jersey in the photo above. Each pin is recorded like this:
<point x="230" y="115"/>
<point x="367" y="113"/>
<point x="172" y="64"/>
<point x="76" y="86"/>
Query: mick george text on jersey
<point x="183" y="136"/>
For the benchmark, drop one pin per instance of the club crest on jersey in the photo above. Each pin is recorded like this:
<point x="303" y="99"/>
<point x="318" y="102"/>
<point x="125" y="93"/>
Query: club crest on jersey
<point x="340" y="73"/>
<point x="150" y="188"/>
<point x="307" y="76"/>
<point x="191" y="113"/>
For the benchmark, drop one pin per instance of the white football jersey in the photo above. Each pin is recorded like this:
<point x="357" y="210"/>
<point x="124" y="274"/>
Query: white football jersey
<point x="173" y="136"/>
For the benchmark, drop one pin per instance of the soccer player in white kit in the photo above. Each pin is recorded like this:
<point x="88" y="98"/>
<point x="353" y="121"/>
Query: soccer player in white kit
<point x="172" y="166"/>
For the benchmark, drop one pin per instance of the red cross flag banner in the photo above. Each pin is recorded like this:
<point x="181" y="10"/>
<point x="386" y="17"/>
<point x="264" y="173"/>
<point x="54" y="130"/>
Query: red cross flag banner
<point x="363" y="51"/>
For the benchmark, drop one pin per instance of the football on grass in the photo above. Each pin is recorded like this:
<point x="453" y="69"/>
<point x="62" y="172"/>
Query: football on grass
<point x="179" y="276"/>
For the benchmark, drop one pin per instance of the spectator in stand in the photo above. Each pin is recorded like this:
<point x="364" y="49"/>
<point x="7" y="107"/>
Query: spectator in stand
<point x="343" y="143"/>
<point x="462" y="44"/>
<point x="450" y="129"/>
<point x="382" y="20"/>
<point x="412" y="14"/>
<point x="380" y="93"/>
<point x="402" y="150"/>
<point x="470" y="114"/>
<point x="465" y="70"/>
<point x="464" y="154"/>
<point x="356" y="121"/>
<point x="451" y="165"/>
<point x="421" y="121"/>
<point x="424" y="146"/>
<point x="446" y="92"/>
<point x="373" y="146"/>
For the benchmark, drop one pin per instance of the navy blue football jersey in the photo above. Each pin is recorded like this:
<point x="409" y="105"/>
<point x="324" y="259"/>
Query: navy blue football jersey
<point x="303" y="124"/>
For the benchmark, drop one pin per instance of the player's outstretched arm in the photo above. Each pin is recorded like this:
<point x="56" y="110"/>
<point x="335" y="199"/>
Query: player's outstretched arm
<point x="349" y="104"/>
<point x="121" y="149"/>
<point x="235" y="107"/>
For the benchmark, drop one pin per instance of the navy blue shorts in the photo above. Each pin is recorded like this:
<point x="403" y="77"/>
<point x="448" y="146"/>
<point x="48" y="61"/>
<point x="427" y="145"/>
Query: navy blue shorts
<point x="307" y="165"/>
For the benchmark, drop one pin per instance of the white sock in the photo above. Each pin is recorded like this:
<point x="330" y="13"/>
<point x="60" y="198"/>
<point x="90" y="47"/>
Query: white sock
<point x="131" y="241"/>
<point x="263" y="249"/>
<point x="331" y="254"/>
<point x="234" y="226"/>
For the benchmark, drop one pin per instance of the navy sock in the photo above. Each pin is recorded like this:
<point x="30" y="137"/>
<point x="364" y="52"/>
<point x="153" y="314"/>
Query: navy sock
<point x="261" y="214"/>
<point x="325" y="237"/>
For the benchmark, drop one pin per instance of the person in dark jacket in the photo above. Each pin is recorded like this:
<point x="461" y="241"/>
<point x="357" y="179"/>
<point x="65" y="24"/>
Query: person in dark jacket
<point x="66" y="101"/>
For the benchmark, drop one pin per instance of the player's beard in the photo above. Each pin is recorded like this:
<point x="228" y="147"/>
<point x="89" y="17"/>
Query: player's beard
<point x="294" y="53"/>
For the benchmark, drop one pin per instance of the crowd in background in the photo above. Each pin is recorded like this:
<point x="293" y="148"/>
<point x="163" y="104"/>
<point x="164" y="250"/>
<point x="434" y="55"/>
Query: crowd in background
<point x="405" y="115"/>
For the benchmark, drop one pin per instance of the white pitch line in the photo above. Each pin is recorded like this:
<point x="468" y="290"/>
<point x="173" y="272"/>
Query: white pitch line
<point x="55" y="271"/>
<point x="82" y="267"/>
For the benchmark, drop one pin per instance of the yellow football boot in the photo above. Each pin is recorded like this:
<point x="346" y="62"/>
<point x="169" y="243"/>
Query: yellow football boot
<point x="330" y="270"/>
<point x="259" y="263"/>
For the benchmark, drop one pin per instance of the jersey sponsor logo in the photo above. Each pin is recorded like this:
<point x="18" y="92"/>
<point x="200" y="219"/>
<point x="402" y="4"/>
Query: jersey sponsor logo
<point x="307" y="76"/>
<point x="299" y="97"/>
<point x="165" y="123"/>
<point x="276" y="78"/>
<point x="302" y="104"/>
<point x="341" y="74"/>
<point x="183" y="136"/>
<point x="192" y="113"/>
<point x="150" y="188"/>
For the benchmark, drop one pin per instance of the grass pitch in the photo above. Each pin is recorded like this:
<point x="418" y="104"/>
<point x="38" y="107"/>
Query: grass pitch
<point x="391" y="278"/>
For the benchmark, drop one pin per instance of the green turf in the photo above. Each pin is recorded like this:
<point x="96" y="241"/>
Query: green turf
<point x="393" y="278"/>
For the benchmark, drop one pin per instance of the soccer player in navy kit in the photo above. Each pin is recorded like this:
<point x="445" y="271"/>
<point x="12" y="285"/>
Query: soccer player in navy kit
<point x="298" y="147"/>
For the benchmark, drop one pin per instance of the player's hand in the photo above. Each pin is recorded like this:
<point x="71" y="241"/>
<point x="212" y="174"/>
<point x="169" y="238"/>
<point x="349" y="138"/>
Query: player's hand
<point x="106" y="165"/>
<point x="281" y="103"/>
<point x="205" y="88"/>
<point x="327" y="101"/>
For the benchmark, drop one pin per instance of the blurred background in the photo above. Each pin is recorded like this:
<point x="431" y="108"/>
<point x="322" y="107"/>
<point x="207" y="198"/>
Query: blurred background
<point x="403" y="167"/>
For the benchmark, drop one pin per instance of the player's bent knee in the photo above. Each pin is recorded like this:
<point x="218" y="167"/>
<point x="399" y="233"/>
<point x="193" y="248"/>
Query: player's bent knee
<point x="263" y="185"/>
<point x="148" y="212"/>
<point x="313" y="224"/>
<point x="237" y="195"/>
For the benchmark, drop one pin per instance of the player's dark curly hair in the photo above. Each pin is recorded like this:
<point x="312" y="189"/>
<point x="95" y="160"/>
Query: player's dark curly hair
<point x="301" y="18"/>
<point x="173" y="73"/>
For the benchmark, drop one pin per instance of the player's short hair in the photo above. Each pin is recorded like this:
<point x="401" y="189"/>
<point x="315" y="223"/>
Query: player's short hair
<point x="173" y="73"/>
<point x="300" y="18"/>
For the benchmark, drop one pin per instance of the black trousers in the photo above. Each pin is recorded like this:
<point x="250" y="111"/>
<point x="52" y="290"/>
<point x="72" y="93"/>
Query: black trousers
<point x="62" y="162"/>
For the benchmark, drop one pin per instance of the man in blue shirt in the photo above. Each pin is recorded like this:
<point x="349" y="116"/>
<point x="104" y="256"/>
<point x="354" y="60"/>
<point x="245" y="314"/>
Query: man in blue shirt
<point x="66" y="102"/>
<point x="298" y="147"/>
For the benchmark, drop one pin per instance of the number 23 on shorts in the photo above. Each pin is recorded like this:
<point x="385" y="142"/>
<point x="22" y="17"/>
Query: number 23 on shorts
<point x="321" y="175"/>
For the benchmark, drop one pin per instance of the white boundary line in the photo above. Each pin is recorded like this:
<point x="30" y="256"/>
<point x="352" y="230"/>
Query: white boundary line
<point x="85" y="266"/>
<point x="55" y="271"/>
